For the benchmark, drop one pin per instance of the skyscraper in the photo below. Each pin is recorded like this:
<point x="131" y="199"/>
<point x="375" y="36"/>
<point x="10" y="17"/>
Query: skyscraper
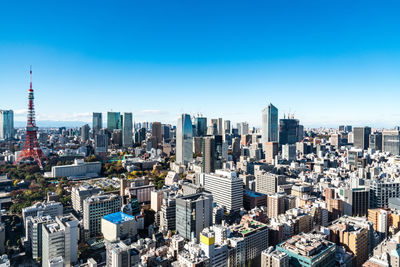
<point x="156" y="132"/>
<point x="85" y="132"/>
<point x="361" y="137"/>
<point x="193" y="214"/>
<point x="113" y="120"/>
<point x="269" y="125"/>
<point x="184" y="142"/>
<point x="97" y="121"/>
<point x="6" y="124"/>
<point x="208" y="163"/>
<point x="127" y="129"/>
<point x="391" y="141"/>
<point x="219" y="126"/>
<point x="227" y="127"/>
<point x="200" y="124"/>
<point x="289" y="131"/>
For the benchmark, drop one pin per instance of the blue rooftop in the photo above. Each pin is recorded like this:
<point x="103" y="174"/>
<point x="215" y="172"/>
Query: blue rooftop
<point x="118" y="217"/>
<point x="253" y="194"/>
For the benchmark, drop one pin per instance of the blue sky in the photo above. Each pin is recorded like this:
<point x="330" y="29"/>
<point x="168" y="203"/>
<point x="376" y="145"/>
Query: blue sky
<point x="329" y="62"/>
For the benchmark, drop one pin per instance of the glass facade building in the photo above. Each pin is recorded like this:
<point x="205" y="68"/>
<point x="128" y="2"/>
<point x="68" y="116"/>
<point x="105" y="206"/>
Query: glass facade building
<point x="184" y="139"/>
<point x="6" y="124"/>
<point x="269" y="125"/>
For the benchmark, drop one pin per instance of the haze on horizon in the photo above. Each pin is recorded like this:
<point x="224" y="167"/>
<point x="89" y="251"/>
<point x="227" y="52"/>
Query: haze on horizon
<point x="328" y="63"/>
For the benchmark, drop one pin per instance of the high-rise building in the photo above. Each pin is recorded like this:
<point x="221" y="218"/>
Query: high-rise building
<point x="156" y="132"/>
<point x="6" y="124"/>
<point x="375" y="141"/>
<point x="276" y="204"/>
<point x="97" y="122"/>
<point x="220" y="126"/>
<point x="113" y="121"/>
<point x="355" y="200"/>
<point x="94" y="208"/>
<point x="60" y="239"/>
<point x="119" y="254"/>
<point x="289" y="131"/>
<point x="352" y="235"/>
<point x="361" y="137"/>
<point x="227" y="127"/>
<point x="271" y="150"/>
<point x="85" y="132"/>
<point x="80" y="193"/>
<point x="200" y="124"/>
<point x="274" y="258"/>
<point x="184" y="142"/>
<point x="309" y="250"/>
<point x="168" y="212"/>
<point x="231" y="197"/>
<point x="127" y="127"/>
<point x="289" y="152"/>
<point x="34" y="233"/>
<point x="267" y="183"/>
<point x="244" y="128"/>
<point x="140" y="135"/>
<point x="208" y="162"/>
<point x="382" y="190"/>
<point x="391" y="142"/>
<point x="193" y="214"/>
<point x="51" y="208"/>
<point x="100" y="144"/>
<point x="269" y="125"/>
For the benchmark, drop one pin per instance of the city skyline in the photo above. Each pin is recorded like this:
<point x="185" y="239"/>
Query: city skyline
<point x="337" y="65"/>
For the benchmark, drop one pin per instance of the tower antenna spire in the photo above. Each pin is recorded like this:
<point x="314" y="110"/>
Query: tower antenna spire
<point x="30" y="78"/>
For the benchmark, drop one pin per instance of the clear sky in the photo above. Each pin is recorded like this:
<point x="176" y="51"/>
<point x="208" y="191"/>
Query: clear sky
<point x="329" y="62"/>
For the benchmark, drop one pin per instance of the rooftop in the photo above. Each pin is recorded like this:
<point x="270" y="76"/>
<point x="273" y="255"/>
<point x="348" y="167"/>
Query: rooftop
<point x="118" y="217"/>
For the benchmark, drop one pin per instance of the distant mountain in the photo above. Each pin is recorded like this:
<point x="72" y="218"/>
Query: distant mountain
<point x="49" y="124"/>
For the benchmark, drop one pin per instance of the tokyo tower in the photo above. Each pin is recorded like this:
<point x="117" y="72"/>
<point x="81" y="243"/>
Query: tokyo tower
<point x="31" y="150"/>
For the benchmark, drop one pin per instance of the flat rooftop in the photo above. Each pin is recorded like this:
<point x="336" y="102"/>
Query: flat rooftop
<point x="118" y="217"/>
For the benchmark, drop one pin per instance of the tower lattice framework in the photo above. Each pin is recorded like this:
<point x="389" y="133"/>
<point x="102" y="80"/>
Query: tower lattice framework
<point x="31" y="150"/>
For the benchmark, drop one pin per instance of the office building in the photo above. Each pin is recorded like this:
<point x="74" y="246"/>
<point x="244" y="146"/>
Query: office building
<point x="208" y="148"/>
<point x="361" y="137"/>
<point x="6" y="124"/>
<point x="60" y="239"/>
<point x="118" y="226"/>
<point x="80" y="168"/>
<point x="271" y="150"/>
<point x="309" y="250"/>
<point x="156" y="132"/>
<point x="227" y="127"/>
<point x="140" y="135"/>
<point x="352" y="235"/>
<point x="269" y="125"/>
<point x="168" y="212"/>
<point x="97" y="122"/>
<point x="85" y="133"/>
<point x="289" y="131"/>
<point x="231" y="197"/>
<point x="375" y="141"/>
<point x="193" y="214"/>
<point x="275" y="204"/>
<point x="113" y="121"/>
<point x="80" y="193"/>
<point x="119" y="254"/>
<point x="391" y="142"/>
<point x="382" y="190"/>
<point x="355" y="200"/>
<point x="94" y="208"/>
<point x="200" y="124"/>
<point x="274" y="258"/>
<point x="289" y="152"/>
<point x="267" y="183"/>
<point x="127" y="128"/>
<point x="253" y="199"/>
<point x="220" y="128"/>
<point x="100" y="144"/>
<point x="52" y="209"/>
<point x="184" y="142"/>
<point x="33" y="229"/>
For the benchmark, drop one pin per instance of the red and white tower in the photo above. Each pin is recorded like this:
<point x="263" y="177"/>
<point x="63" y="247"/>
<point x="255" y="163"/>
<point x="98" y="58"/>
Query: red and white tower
<point x="31" y="150"/>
